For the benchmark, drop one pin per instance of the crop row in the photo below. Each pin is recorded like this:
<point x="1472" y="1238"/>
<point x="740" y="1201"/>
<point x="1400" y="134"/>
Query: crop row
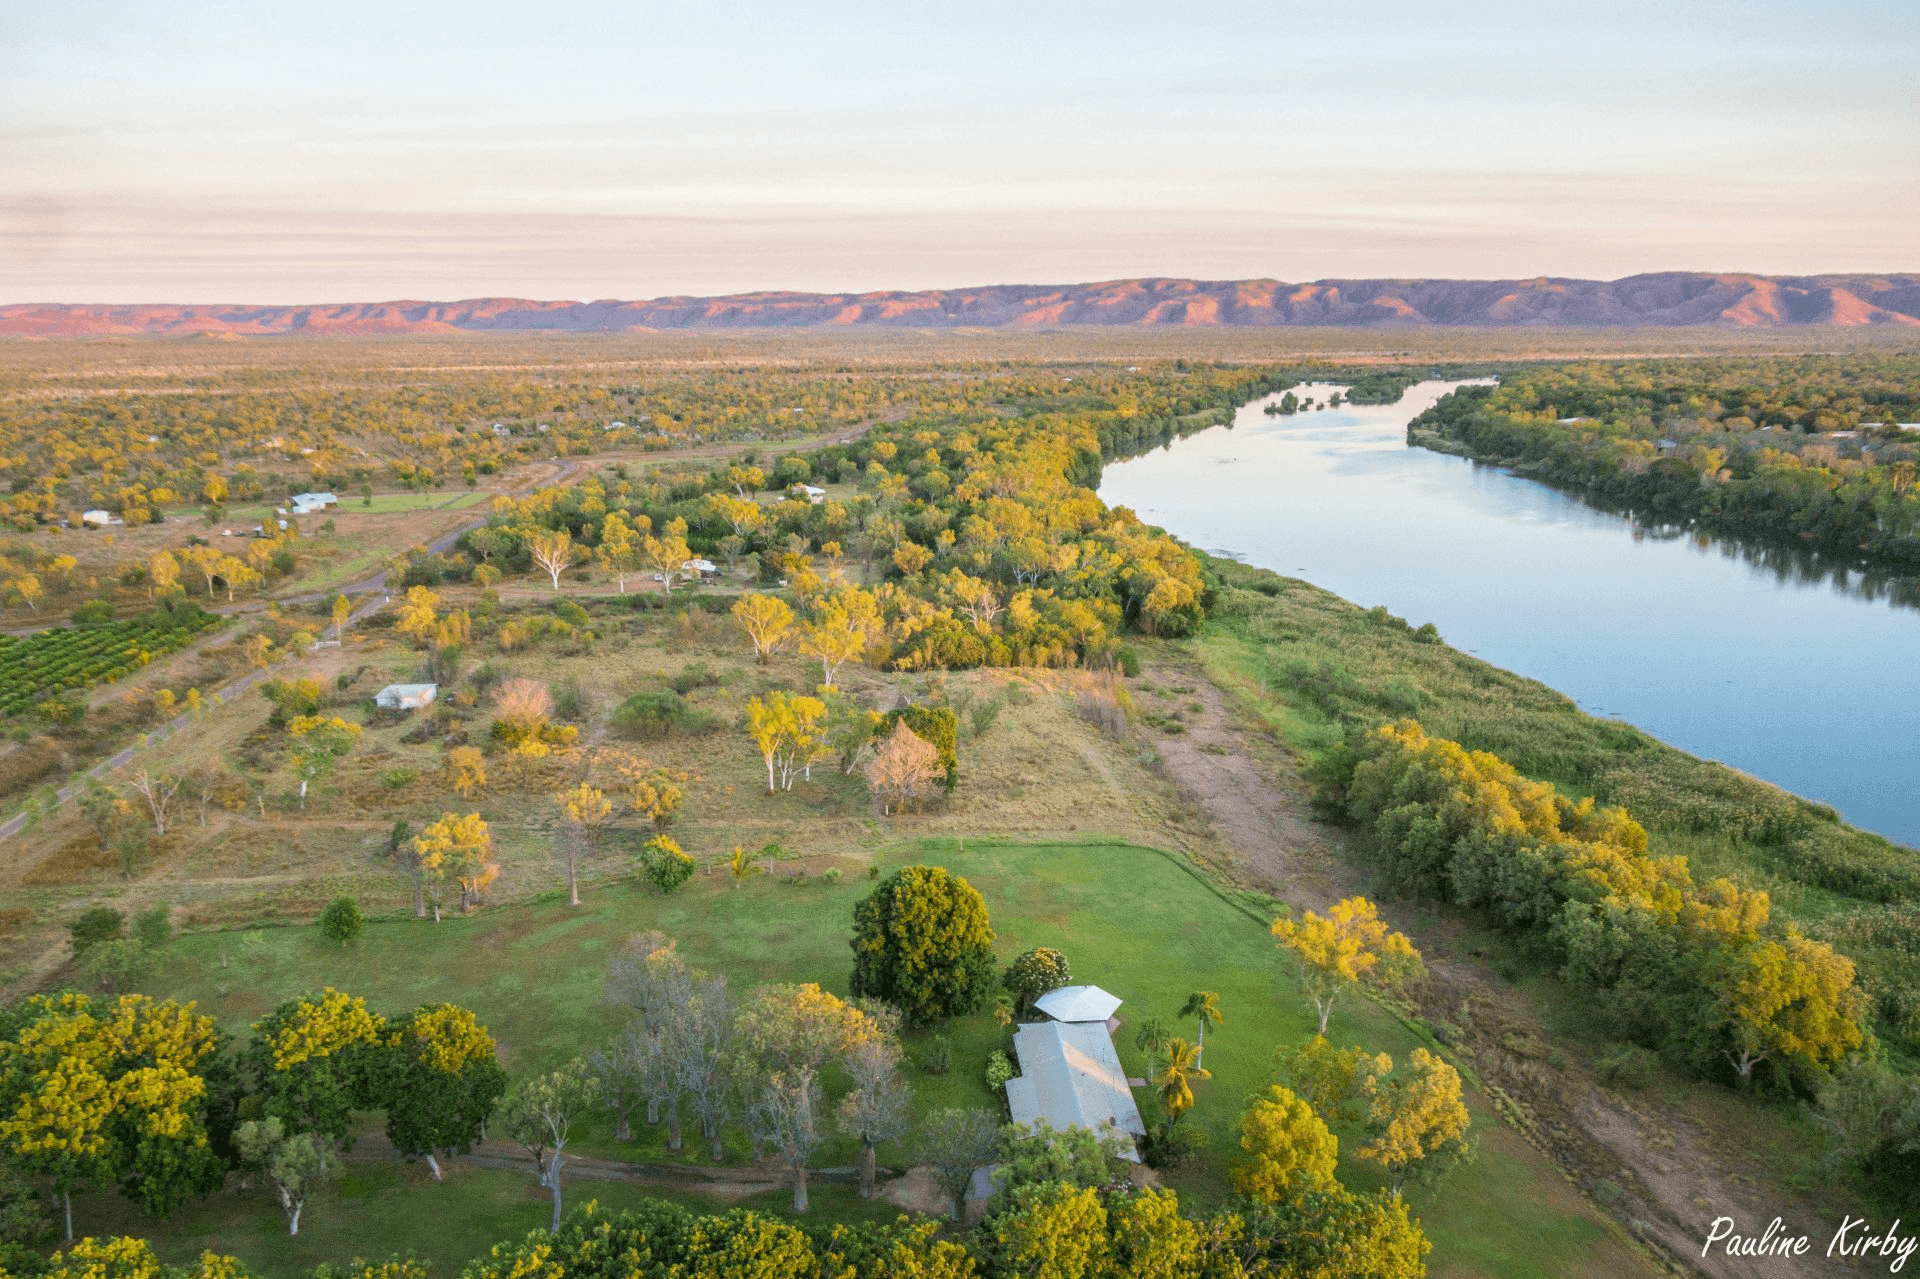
<point x="75" y="658"/>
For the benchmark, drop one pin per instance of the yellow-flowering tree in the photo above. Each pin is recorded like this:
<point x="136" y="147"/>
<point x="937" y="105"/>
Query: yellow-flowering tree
<point x="842" y="628"/>
<point x="460" y="849"/>
<point x="1285" y="1148"/>
<point x="553" y="552"/>
<point x="586" y="810"/>
<point x="768" y="622"/>
<point x="90" y="1092"/>
<point x="418" y="616"/>
<point x="1347" y="948"/>
<point x="791" y="734"/>
<point x="1793" y="999"/>
<point x="1417" y="1121"/>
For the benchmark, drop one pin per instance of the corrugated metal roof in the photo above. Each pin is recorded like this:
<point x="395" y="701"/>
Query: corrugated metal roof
<point x="1078" y="1003"/>
<point x="1070" y="1075"/>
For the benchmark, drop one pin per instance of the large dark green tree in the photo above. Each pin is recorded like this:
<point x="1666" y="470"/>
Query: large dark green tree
<point x="441" y="1083"/>
<point x="922" y="942"/>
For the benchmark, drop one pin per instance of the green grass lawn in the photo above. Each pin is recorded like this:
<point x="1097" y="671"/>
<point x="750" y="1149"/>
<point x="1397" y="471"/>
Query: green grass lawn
<point x="1131" y="919"/>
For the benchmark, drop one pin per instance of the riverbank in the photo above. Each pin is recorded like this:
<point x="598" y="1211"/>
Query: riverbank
<point x="1319" y="670"/>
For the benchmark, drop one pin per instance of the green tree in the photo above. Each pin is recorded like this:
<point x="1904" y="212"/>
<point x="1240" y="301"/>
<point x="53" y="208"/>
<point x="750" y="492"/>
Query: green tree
<point x="956" y="1144"/>
<point x="314" y="1060"/>
<point x="100" y="923"/>
<point x="922" y="942"/>
<point x="542" y="1110"/>
<point x="664" y="863"/>
<point x="1330" y="1079"/>
<point x="318" y="744"/>
<point x="1033" y="974"/>
<point x="296" y="1163"/>
<point x="441" y="1082"/>
<point x="342" y="920"/>
<point x="1285" y="1148"/>
<point x="1078" y="1156"/>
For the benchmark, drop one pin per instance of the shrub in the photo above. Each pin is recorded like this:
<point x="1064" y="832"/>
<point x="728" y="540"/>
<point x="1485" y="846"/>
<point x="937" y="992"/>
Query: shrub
<point x="153" y="927"/>
<point x="101" y="924"/>
<point x="1170" y="1145"/>
<point x="398" y="778"/>
<point x="342" y="920"/>
<point x="113" y="966"/>
<point x="999" y="1070"/>
<point x="937" y="1057"/>
<point x="644" y="716"/>
<point x="664" y="864"/>
<point x="1626" y="1066"/>
<point x="1035" y="973"/>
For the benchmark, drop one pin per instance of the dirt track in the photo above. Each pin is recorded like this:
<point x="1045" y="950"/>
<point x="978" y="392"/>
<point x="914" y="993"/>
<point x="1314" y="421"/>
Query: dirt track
<point x="1665" y="1179"/>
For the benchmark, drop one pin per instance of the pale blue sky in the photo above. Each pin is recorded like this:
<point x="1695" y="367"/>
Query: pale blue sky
<point x="335" y="151"/>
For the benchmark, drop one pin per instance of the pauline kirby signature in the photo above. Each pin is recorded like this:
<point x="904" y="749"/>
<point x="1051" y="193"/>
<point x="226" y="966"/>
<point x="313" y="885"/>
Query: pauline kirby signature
<point x="1856" y="1238"/>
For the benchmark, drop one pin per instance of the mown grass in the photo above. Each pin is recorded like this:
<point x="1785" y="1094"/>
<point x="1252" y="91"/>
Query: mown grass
<point x="1133" y="919"/>
<point x="1320" y="669"/>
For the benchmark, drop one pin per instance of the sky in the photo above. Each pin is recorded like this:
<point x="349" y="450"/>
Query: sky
<point x="347" y="151"/>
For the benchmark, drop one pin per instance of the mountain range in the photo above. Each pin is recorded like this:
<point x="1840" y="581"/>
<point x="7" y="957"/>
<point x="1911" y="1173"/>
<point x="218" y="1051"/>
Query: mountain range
<point x="1665" y="299"/>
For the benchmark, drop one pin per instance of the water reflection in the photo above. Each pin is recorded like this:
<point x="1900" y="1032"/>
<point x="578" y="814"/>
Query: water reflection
<point x="1706" y="642"/>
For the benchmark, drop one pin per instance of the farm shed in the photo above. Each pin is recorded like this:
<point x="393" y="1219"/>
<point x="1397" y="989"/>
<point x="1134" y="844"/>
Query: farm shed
<point x="406" y="697"/>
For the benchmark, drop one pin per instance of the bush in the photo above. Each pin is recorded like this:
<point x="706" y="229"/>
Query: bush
<point x="664" y="864"/>
<point x="153" y="927"/>
<point x="999" y="1070"/>
<point x="937" y="1057"/>
<point x="1626" y="1066"/>
<point x="645" y="716"/>
<point x="693" y="675"/>
<point x="1129" y="662"/>
<point x="113" y="966"/>
<point x="1171" y="1145"/>
<point x="1035" y="973"/>
<point x="101" y="924"/>
<point x="342" y="920"/>
<point x="398" y="778"/>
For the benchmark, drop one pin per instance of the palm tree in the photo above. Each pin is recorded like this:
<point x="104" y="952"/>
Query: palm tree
<point x="1176" y="1078"/>
<point x="1205" y="1005"/>
<point x="1151" y="1039"/>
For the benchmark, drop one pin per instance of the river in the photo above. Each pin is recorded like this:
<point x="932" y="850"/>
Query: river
<point x="1806" y="680"/>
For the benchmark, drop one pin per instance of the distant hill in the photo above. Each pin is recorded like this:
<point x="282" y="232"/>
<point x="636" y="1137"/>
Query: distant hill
<point x="1665" y="299"/>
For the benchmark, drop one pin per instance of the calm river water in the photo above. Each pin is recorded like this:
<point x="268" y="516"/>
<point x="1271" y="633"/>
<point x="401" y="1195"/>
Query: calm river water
<point x="1806" y="681"/>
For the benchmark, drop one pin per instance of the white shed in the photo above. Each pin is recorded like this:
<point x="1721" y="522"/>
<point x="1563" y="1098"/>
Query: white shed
<point x="406" y="697"/>
<point x="100" y="519"/>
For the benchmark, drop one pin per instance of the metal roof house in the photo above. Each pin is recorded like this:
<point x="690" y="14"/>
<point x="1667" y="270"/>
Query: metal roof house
<point x="1070" y="1073"/>
<point x="307" y="503"/>
<point x="406" y="697"/>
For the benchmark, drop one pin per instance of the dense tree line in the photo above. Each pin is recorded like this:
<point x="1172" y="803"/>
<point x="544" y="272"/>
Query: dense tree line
<point x="1805" y="451"/>
<point x="1699" y="971"/>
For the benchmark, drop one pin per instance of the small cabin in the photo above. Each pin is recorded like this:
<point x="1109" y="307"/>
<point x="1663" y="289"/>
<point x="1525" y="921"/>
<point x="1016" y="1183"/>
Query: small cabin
<point x="701" y="570"/>
<point x="308" y="503"/>
<point x="406" y="697"/>
<point x="812" y="492"/>
<point x="100" y="519"/>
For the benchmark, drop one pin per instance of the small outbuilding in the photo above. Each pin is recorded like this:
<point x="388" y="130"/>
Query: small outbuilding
<point x="100" y="519"/>
<point x="308" y="503"/>
<point x="812" y="492"/>
<point x="406" y="697"/>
